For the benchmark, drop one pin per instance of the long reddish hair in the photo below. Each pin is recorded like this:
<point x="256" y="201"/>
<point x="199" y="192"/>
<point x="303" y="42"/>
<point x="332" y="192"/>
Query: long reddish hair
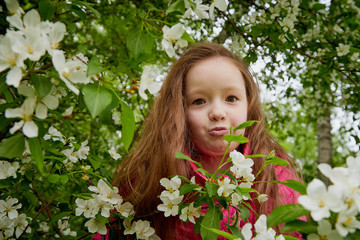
<point x="165" y="132"/>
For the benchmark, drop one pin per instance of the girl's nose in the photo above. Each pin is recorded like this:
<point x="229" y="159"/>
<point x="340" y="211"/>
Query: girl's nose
<point x="217" y="113"/>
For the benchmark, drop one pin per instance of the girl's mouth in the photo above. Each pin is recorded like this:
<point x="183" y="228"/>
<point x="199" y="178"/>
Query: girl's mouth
<point x="219" y="131"/>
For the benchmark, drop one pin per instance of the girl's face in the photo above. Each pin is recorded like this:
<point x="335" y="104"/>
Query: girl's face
<point x="215" y="97"/>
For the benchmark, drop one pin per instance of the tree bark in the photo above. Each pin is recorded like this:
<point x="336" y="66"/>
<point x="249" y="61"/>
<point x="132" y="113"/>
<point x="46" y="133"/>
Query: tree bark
<point x="325" y="146"/>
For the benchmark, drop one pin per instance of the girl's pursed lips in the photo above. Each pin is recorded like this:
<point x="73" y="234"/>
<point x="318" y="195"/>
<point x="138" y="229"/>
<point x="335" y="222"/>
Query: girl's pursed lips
<point x="219" y="131"/>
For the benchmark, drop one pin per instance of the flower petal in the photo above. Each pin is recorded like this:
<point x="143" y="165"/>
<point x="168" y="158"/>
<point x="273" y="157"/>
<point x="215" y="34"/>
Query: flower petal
<point x="14" y="77"/>
<point x="30" y="129"/>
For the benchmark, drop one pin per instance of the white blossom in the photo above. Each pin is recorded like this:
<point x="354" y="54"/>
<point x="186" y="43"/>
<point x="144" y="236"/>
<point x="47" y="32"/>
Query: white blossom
<point x="343" y="49"/>
<point x="85" y="207"/>
<point x="114" y="154"/>
<point x="49" y="101"/>
<point x="68" y="112"/>
<point x="70" y="71"/>
<point x="83" y="150"/>
<point x="236" y="199"/>
<point x="8" y="170"/>
<point x="320" y="201"/>
<point x="246" y="231"/>
<point x="170" y="207"/>
<point x="263" y="198"/>
<point x="9" y="208"/>
<point x="95" y="226"/>
<point x="173" y="36"/>
<point x="324" y="231"/>
<point x="142" y="230"/>
<point x="54" y="134"/>
<point x="219" y="4"/>
<point x="12" y="60"/>
<point x="200" y="9"/>
<point x="172" y="187"/>
<point x="239" y="160"/>
<point x="70" y="155"/>
<point x="126" y="209"/>
<point x="106" y="193"/>
<point x="14" y="7"/>
<point x="190" y="213"/>
<point x="20" y="224"/>
<point x="347" y="222"/>
<point x="148" y="81"/>
<point x="99" y="205"/>
<point x="24" y="112"/>
<point x="225" y="187"/>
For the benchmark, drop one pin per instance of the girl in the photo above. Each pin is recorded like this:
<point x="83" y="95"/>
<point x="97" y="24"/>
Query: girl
<point x="207" y="89"/>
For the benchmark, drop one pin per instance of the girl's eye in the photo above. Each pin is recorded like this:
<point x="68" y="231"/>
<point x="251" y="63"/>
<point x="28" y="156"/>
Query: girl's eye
<point x="231" y="99"/>
<point x="198" y="102"/>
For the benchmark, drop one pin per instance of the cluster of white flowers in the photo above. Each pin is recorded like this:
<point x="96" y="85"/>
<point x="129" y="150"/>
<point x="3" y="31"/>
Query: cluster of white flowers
<point x="172" y="36"/>
<point x="342" y="197"/>
<point x="10" y="220"/>
<point x="242" y="171"/>
<point x="261" y="231"/>
<point x="200" y="10"/>
<point x="343" y="49"/>
<point x="150" y="73"/>
<point x="31" y="104"/>
<point x="73" y="156"/>
<point x="106" y="200"/>
<point x="64" y="227"/>
<point x="30" y="38"/>
<point x="171" y="196"/>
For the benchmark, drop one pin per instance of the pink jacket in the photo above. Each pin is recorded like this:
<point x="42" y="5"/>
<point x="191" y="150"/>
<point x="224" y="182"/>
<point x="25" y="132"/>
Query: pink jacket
<point x="287" y="195"/>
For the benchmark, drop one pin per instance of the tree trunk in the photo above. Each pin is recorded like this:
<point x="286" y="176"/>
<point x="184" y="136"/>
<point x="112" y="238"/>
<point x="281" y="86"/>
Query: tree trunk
<point x="324" y="141"/>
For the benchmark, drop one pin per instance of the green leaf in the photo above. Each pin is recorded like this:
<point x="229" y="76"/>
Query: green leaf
<point x="64" y="179"/>
<point x="31" y="198"/>
<point x="235" y="138"/>
<point x="277" y="161"/>
<point x="138" y="41"/>
<point x="244" y="211"/>
<point x="128" y="125"/>
<point x="211" y="220"/>
<point x="245" y="125"/>
<point x="187" y="37"/>
<point x="95" y="161"/>
<point x="54" y="178"/>
<point x="180" y="155"/>
<point x="352" y="50"/>
<point x="211" y="188"/>
<point x="94" y="66"/>
<point x="85" y="196"/>
<point x="88" y="6"/>
<point x="42" y="85"/>
<point x="12" y="147"/>
<point x="255" y="156"/>
<point x="287" y="237"/>
<point x="285" y="213"/>
<point x="46" y="9"/>
<point x="177" y="6"/>
<point x="186" y="188"/>
<point x="318" y="6"/>
<point x="293" y="184"/>
<point x="299" y="226"/>
<point x="96" y="98"/>
<point x="220" y="232"/>
<point x="36" y="153"/>
<point x="79" y="12"/>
